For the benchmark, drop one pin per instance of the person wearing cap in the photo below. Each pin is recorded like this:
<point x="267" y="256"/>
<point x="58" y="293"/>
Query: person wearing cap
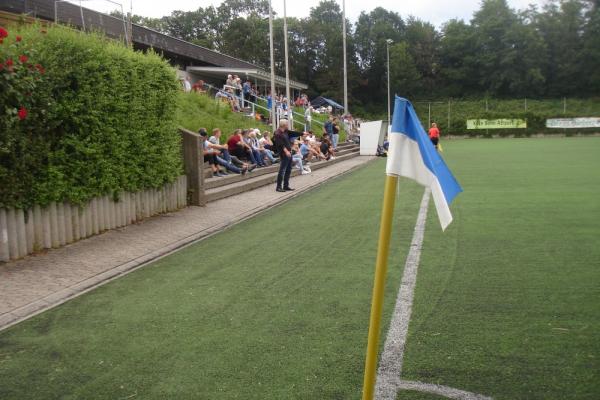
<point x="257" y="158"/>
<point x="284" y="149"/>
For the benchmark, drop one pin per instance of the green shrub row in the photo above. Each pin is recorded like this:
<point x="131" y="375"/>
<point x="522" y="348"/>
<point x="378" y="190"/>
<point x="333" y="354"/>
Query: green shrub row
<point x="100" y="118"/>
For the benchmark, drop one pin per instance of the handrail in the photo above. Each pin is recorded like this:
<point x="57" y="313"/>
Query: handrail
<point x="296" y="113"/>
<point x="313" y="121"/>
<point x="247" y="101"/>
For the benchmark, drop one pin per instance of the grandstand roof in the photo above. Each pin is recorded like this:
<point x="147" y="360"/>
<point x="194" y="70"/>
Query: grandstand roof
<point x="254" y="73"/>
<point x="177" y="51"/>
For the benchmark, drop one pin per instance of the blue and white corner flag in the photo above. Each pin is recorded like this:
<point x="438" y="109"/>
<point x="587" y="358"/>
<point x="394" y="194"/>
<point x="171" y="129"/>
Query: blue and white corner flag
<point x="412" y="155"/>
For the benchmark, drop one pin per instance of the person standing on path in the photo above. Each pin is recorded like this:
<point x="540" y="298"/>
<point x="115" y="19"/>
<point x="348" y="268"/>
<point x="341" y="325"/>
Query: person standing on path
<point x="284" y="148"/>
<point x="434" y="135"/>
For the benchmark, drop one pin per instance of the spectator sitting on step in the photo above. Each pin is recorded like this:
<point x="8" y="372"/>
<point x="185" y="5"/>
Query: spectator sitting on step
<point x="266" y="142"/>
<point x="262" y="151"/>
<point x="224" y="158"/>
<point x="308" y="152"/>
<point x="326" y="148"/>
<point x="237" y="147"/>
<point x="222" y="95"/>
<point x="297" y="159"/>
<point x="209" y="154"/>
<point x="260" y="161"/>
<point x="315" y="144"/>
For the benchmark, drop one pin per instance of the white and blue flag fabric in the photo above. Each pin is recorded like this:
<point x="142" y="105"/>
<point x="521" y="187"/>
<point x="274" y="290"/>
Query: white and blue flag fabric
<point x="412" y="155"/>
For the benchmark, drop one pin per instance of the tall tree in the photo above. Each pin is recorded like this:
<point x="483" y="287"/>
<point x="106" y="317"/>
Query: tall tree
<point x="405" y="78"/>
<point x="458" y="60"/>
<point x="325" y="38"/>
<point x="422" y="42"/>
<point x="591" y="49"/>
<point x="372" y="32"/>
<point x="561" y="26"/>
<point x="497" y="53"/>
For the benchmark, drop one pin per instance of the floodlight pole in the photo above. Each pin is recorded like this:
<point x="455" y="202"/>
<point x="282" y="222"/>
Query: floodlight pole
<point x="82" y="19"/>
<point x="345" y="61"/>
<point x="388" y="42"/>
<point x="273" y="117"/>
<point x="287" y="67"/>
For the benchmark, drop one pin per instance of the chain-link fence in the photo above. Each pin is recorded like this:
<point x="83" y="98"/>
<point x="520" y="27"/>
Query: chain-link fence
<point x="451" y="115"/>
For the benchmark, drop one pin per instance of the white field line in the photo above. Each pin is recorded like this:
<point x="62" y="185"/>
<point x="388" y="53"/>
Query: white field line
<point x="445" y="391"/>
<point x="390" y="366"/>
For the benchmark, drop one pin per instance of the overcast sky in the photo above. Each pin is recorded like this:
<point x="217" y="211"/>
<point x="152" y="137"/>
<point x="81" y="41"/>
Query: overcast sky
<point x="434" y="11"/>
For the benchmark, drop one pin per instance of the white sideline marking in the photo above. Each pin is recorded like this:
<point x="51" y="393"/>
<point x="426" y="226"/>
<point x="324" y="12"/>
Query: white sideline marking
<point x="390" y="366"/>
<point x="445" y="391"/>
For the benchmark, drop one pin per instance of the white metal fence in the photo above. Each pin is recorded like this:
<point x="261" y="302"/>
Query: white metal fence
<point x="23" y="232"/>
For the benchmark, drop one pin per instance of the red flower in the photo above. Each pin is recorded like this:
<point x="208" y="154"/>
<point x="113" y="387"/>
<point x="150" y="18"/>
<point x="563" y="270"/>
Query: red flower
<point x="22" y="113"/>
<point x="40" y="69"/>
<point x="19" y="38"/>
<point x="23" y="58"/>
<point x="3" y="33"/>
<point x="9" y="62"/>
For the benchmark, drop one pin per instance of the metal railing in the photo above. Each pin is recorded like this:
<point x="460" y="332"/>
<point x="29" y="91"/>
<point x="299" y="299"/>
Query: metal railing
<point x="254" y="105"/>
<point x="296" y="113"/>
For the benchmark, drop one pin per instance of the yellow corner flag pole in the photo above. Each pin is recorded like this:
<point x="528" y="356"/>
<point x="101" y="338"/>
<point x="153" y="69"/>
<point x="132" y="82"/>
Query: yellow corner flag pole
<point x="383" y="251"/>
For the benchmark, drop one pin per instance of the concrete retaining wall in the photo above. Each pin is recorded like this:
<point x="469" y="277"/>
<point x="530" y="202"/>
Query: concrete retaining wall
<point x="24" y="232"/>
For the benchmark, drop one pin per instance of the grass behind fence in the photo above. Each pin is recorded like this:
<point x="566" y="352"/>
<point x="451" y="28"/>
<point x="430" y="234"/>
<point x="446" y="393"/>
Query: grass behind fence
<point x="451" y="116"/>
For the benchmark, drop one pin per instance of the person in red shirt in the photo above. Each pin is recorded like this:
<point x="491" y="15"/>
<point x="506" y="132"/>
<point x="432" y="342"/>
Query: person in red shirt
<point x="434" y="135"/>
<point x="238" y="148"/>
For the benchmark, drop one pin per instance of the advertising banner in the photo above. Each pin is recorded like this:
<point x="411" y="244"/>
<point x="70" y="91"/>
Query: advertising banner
<point x="496" y="123"/>
<point x="573" y="123"/>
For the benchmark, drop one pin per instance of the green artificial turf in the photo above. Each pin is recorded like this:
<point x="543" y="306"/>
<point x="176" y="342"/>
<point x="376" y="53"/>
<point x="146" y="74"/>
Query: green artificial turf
<point x="507" y="301"/>
<point x="274" y="308"/>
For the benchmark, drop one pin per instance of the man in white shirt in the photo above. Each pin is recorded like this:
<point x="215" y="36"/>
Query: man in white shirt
<point x="187" y="86"/>
<point x="308" y="118"/>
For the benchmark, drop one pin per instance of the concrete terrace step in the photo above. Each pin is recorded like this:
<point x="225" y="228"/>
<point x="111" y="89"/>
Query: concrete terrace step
<point x="250" y="182"/>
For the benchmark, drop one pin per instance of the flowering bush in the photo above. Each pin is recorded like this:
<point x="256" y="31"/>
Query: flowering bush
<point x="18" y="80"/>
<point x="82" y="116"/>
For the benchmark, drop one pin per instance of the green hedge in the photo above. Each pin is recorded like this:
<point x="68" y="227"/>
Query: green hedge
<point x="100" y="118"/>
